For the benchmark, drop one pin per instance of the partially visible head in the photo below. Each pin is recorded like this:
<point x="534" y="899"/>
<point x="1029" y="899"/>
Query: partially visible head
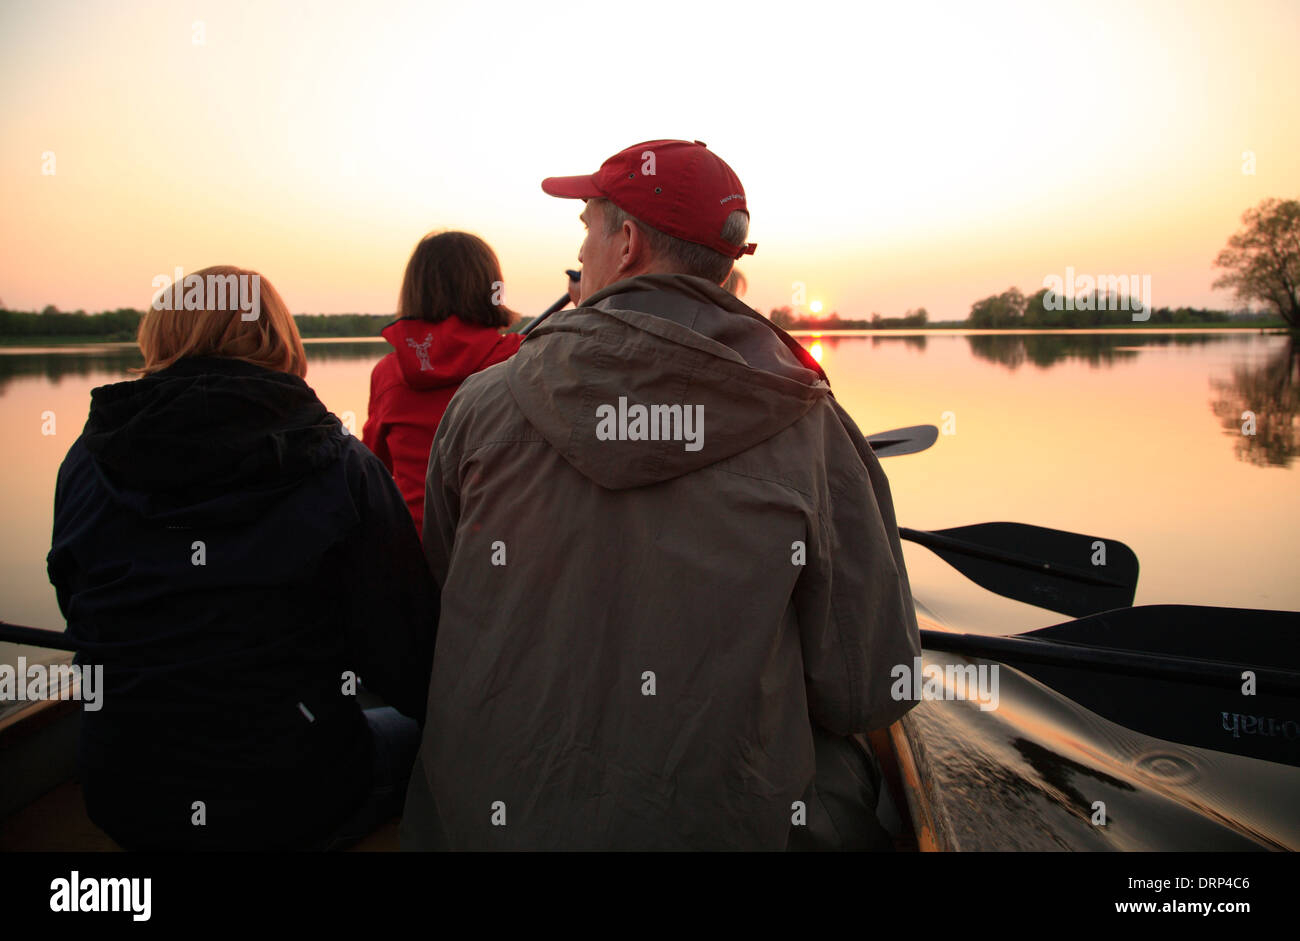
<point x="618" y="245"/>
<point x="216" y="323"/>
<point x="736" y="284"/>
<point x="662" y="206"/>
<point x="454" y="273"/>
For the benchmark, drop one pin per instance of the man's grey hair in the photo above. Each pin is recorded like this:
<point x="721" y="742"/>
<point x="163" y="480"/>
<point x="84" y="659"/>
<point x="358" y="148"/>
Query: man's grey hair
<point x="679" y="254"/>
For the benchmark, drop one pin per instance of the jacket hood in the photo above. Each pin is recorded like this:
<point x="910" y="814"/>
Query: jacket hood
<point x="657" y="376"/>
<point x="208" y="431"/>
<point x="431" y="355"/>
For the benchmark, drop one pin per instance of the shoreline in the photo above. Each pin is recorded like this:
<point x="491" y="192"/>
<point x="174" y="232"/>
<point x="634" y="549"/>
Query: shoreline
<point x="68" y="344"/>
<point x="1036" y="331"/>
<point x="35" y="344"/>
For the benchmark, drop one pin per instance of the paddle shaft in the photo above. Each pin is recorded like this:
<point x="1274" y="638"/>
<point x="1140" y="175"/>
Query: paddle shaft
<point x="1111" y="660"/>
<point x="1181" y="669"/>
<point x="558" y="305"/>
<point x="56" y="640"/>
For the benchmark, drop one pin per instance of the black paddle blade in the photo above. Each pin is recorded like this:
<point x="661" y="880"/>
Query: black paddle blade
<point x="1265" y="725"/>
<point x="1066" y="572"/>
<point x="1258" y="720"/>
<point x="1110" y="664"/>
<point x="1233" y="635"/>
<point x="903" y="440"/>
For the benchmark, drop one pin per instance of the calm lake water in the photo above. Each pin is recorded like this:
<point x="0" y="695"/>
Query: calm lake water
<point x="1128" y="436"/>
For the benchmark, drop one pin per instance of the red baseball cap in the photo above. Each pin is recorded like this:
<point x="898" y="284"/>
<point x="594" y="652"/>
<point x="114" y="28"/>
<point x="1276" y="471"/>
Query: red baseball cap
<point x="680" y="188"/>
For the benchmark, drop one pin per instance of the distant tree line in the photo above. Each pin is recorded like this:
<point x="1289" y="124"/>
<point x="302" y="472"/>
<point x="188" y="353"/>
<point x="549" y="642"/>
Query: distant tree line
<point x="1011" y="310"/>
<point x="1008" y="310"/>
<point x="342" y="325"/>
<point x="786" y="319"/>
<point x="124" y="324"/>
<point x="120" y="324"/>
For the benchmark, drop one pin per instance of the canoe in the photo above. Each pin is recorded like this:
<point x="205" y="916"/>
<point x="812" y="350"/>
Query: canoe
<point x="1039" y="772"/>
<point x="1043" y="772"/>
<point x="41" y="808"/>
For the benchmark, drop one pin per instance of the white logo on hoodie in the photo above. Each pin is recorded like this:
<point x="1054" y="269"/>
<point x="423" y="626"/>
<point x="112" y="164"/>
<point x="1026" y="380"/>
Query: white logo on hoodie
<point x="422" y="351"/>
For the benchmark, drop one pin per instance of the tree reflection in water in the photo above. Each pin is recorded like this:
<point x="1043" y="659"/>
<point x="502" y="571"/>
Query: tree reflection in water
<point x="1044" y="350"/>
<point x="1270" y="390"/>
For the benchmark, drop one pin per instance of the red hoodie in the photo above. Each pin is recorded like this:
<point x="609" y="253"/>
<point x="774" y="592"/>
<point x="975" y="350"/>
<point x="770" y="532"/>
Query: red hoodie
<point x="411" y="387"/>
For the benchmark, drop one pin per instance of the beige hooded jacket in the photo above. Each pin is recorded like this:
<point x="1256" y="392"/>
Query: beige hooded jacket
<point x="643" y="614"/>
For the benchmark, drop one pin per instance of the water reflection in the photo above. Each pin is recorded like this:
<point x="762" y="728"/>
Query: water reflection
<point x="115" y="363"/>
<point x="1151" y="412"/>
<point x="913" y="341"/>
<point x="55" y="365"/>
<point x="1008" y="350"/>
<point x="1096" y="349"/>
<point x="832" y="339"/>
<point x="1028" y="776"/>
<point x="1260" y="408"/>
<point x="372" y="350"/>
<point x="1059" y="772"/>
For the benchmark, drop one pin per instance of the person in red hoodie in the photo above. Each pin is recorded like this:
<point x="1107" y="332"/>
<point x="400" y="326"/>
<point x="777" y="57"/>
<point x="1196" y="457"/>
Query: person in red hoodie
<point x="450" y="319"/>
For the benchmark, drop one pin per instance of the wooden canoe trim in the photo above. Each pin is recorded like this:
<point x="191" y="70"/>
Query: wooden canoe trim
<point x="56" y="822"/>
<point x="917" y="800"/>
<point x="878" y="741"/>
<point x="30" y="720"/>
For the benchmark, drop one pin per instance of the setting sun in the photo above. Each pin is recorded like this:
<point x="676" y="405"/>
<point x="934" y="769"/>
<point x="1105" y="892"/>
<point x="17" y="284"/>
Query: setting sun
<point x="815" y="307"/>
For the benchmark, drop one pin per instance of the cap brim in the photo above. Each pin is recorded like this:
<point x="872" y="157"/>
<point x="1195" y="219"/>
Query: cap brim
<point x="571" y="187"/>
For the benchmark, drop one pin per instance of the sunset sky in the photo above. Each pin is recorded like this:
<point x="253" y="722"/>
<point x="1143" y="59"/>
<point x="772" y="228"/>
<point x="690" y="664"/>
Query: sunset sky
<point x="894" y="155"/>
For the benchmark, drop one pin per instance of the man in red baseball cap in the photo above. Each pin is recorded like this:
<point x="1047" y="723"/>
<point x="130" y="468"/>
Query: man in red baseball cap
<point x="671" y="578"/>
<point x="662" y="204"/>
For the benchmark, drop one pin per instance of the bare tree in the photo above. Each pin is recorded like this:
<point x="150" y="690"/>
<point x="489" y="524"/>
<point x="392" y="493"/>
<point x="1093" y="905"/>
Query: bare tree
<point x="1262" y="261"/>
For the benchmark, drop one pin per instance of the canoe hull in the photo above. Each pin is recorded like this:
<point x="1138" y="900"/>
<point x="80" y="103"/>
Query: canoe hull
<point x="1042" y="772"/>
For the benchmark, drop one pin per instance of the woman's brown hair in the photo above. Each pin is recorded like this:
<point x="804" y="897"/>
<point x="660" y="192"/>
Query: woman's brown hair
<point x="215" y="324"/>
<point x="454" y="273"/>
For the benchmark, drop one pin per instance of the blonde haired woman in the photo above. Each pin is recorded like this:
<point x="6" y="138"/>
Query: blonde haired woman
<point x="235" y="560"/>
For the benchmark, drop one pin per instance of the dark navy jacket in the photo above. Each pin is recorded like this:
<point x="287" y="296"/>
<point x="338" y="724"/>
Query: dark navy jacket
<point x="229" y="551"/>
